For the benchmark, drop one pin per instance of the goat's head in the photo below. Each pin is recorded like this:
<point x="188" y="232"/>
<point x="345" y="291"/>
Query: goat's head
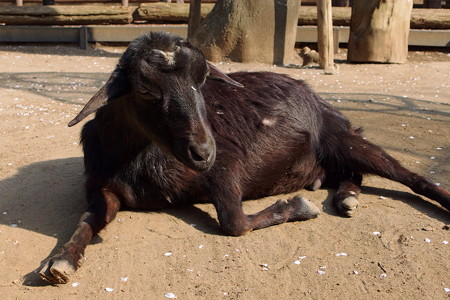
<point x="159" y="77"/>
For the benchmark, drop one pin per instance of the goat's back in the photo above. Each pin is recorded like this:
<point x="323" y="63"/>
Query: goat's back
<point x="267" y="133"/>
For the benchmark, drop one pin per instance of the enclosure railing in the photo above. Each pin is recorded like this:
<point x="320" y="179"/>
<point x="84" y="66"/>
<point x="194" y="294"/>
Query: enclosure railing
<point x="341" y="3"/>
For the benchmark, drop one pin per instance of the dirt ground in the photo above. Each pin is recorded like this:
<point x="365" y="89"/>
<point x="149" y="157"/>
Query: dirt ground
<point x="394" y="248"/>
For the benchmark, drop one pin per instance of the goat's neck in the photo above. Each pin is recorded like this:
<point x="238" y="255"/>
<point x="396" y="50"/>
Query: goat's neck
<point x="119" y="129"/>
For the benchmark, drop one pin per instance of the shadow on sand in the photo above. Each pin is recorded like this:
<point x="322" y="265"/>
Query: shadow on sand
<point x="32" y="196"/>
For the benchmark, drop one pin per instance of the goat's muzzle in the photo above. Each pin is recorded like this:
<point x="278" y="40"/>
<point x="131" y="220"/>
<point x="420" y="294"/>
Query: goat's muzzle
<point x="197" y="155"/>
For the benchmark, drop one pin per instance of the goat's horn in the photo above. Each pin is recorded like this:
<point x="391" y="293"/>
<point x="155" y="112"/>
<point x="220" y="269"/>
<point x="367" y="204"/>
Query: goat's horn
<point x="116" y="86"/>
<point x="97" y="101"/>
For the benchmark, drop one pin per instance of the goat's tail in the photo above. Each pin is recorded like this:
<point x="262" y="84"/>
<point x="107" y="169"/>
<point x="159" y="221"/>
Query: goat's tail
<point x="363" y="157"/>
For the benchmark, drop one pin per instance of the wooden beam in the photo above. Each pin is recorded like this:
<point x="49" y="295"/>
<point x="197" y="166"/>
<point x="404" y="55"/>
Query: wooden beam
<point x="65" y="15"/>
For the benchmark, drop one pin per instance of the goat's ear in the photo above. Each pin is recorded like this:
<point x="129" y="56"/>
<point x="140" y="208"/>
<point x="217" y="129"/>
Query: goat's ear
<point x="116" y="86"/>
<point x="215" y="73"/>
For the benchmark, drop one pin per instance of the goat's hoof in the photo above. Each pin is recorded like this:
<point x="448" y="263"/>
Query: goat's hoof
<point x="348" y="206"/>
<point x="317" y="184"/>
<point x="303" y="209"/>
<point x="57" y="271"/>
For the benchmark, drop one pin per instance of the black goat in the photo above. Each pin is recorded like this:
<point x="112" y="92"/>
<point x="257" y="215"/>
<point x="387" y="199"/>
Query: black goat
<point x="170" y="128"/>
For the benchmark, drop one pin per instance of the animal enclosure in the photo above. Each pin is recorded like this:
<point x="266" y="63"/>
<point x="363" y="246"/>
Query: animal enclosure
<point x="39" y="99"/>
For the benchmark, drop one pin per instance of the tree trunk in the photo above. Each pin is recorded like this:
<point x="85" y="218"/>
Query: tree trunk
<point x="249" y="31"/>
<point x="195" y="11"/>
<point x="379" y="31"/>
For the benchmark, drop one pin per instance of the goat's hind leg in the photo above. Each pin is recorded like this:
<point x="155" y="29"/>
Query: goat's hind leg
<point x="102" y="209"/>
<point x="233" y="220"/>
<point x="294" y="209"/>
<point x="368" y="158"/>
<point x="346" y="198"/>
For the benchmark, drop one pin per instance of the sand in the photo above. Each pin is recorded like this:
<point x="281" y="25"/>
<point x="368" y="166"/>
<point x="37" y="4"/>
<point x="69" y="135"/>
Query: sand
<point x="394" y="248"/>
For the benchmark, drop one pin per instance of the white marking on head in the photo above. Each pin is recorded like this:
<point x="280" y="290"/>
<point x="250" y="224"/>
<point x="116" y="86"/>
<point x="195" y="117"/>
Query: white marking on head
<point x="168" y="56"/>
<point x="269" y="122"/>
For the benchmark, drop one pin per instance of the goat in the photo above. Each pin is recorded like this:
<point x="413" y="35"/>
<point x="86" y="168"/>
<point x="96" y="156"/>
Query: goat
<point x="170" y="128"/>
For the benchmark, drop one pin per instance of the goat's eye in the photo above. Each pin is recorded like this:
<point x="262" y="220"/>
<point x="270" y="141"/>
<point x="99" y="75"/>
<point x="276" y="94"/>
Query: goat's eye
<point x="149" y="93"/>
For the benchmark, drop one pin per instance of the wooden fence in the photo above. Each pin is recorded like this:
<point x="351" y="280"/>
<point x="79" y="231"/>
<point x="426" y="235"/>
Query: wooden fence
<point x="336" y="3"/>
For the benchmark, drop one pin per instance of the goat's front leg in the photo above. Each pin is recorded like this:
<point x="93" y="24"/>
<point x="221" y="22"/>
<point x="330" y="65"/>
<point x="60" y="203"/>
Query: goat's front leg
<point x="102" y="209"/>
<point x="233" y="220"/>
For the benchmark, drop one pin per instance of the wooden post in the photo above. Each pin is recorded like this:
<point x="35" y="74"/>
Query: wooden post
<point x="379" y="31"/>
<point x="286" y="20"/>
<point x="194" y="16"/>
<point x="19" y="2"/>
<point x="125" y="3"/>
<point x="325" y="36"/>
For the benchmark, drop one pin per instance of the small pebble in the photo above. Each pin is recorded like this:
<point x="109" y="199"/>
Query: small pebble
<point x="428" y="228"/>
<point x="383" y="275"/>
<point x="447" y="290"/>
<point x="341" y="254"/>
<point x="355" y="272"/>
<point x="376" y="233"/>
<point x="297" y="262"/>
<point x="321" y="272"/>
<point x="109" y="290"/>
<point x="168" y="254"/>
<point x="427" y="240"/>
<point x="445" y="242"/>
<point x="75" y="284"/>
<point x="170" y="296"/>
<point x="124" y="279"/>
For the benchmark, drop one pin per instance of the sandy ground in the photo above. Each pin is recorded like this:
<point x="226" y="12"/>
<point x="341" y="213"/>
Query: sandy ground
<point x="394" y="248"/>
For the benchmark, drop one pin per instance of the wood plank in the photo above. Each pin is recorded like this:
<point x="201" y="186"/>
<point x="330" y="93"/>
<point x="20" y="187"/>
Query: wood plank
<point x="65" y="15"/>
<point x="126" y="33"/>
<point x="164" y="12"/>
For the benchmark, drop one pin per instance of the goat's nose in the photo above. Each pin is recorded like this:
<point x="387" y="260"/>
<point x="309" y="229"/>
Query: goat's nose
<point x="202" y="152"/>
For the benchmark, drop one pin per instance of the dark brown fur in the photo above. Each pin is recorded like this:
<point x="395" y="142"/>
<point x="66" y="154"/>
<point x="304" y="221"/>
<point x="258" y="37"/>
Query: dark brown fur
<point x="163" y="137"/>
